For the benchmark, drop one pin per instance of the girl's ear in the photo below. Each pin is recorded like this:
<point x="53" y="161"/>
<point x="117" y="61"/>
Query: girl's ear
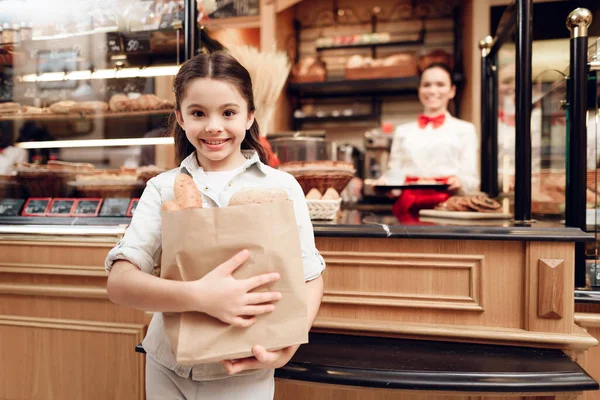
<point x="250" y="120"/>
<point x="179" y="118"/>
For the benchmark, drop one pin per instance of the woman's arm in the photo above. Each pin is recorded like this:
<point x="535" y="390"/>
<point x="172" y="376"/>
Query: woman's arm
<point x="469" y="173"/>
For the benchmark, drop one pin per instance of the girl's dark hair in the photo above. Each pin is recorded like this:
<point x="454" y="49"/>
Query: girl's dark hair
<point x="443" y="66"/>
<point x="221" y="66"/>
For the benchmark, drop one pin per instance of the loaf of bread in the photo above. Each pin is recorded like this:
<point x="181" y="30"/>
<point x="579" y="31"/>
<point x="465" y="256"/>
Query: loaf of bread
<point x="119" y="103"/>
<point x="314" y="194"/>
<point x="258" y="196"/>
<point x="62" y="107"/>
<point x="90" y="107"/>
<point x="186" y="193"/>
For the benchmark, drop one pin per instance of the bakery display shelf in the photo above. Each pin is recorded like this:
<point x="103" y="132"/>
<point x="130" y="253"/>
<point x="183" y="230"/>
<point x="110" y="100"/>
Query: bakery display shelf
<point x="251" y="21"/>
<point x="78" y="116"/>
<point x="341" y="118"/>
<point x="359" y="87"/>
<point x="390" y="43"/>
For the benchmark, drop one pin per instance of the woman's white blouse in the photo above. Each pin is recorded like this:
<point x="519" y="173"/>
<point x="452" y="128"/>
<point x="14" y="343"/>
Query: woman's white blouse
<point x="451" y="149"/>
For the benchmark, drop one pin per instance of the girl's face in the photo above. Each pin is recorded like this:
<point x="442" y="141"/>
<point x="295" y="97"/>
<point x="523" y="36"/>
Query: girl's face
<point x="436" y="90"/>
<point x="215" y="117"/>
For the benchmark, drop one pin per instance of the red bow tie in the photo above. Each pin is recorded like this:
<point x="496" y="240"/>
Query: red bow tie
<point x="437" y="121"/>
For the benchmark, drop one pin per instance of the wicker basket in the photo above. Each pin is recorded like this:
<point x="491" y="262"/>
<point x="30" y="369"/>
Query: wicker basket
<point x="44" y="183"/>
<point x="323" y="209"/>
<point x="98" y="191"/>
<point x="323" y="180"/>
<point x="145" y="176"/>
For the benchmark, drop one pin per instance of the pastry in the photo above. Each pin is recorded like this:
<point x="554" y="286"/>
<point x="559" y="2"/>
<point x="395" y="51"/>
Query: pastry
<point x="118" y="103"/>
<point x="483" y="203"/>
<point x="9" y="108"/>
<point x="457" y="203"/>
<point x="90" y="107"/>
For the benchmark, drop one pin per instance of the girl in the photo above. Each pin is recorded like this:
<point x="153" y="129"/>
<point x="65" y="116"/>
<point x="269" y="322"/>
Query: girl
<point x="437" y="147"/>
<point x="216" y="139"/>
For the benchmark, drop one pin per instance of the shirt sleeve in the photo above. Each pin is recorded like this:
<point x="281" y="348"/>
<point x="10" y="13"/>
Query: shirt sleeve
<point x="314" y="265"/>
<point x="142" y="240"/>
<point x="469" y="175"/>
<point x="395" y="171"/>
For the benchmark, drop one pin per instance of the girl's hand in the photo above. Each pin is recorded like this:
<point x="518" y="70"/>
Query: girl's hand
<point x="220" y="295"/>
<point x="262" y="359"/>
<point x="454" y="183"/>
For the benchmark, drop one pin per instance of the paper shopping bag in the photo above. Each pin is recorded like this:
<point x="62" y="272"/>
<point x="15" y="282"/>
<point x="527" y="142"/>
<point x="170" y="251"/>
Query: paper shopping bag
<point x="195" y="241"/>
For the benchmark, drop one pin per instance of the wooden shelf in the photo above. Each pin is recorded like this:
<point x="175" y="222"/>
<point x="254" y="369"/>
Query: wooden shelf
<point x="365" y="87"/>
<point x="72" y="117"/>
<point x="341" y="118"/>
<point x="355" y="87"/>
<point x="371" y="45"/>
<point x="252" y="21"/>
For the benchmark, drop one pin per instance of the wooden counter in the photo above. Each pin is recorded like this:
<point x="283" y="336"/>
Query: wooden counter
<point x="62" y="338"/>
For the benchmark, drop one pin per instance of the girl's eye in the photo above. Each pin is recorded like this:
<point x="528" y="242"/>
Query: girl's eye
<point x="229" y="113"/>
<point x="197" y="113"/>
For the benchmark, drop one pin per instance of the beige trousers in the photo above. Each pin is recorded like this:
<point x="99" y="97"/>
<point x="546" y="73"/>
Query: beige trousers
<point x="164" y="384"/>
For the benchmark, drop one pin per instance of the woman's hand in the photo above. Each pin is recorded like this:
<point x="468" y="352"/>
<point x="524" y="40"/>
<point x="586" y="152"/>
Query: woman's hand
<point x="454" y="183"/>
<point x="262" y="359"/>
<point x="220" y="295"/>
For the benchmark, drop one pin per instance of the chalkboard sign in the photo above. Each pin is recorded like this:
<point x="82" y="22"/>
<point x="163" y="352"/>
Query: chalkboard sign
<point x="136" y="42"/>
<point x="61" y="207"/>
<point x="132" y="207"/>
<point x="115" y="207"/>
<point x="36" y="207"/>
<point x="113" y="43"/>
<point x="10" y="207"/>
<point x="87" y="207"/>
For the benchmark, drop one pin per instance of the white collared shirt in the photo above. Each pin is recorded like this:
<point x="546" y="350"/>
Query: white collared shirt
<point x="141" y="244"/>
<point x="451" y="149"/>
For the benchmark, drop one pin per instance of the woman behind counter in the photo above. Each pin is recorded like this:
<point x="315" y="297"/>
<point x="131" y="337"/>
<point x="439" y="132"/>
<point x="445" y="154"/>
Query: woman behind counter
<point x="436" y="147"/>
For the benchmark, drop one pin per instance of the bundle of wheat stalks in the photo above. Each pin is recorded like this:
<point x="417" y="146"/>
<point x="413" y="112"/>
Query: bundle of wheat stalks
<point x="269" y="71"/>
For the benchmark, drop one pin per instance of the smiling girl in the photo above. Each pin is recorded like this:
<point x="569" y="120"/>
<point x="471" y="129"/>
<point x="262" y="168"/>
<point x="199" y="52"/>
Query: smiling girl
<point x="437" y="147"/>
<point x="217" y="141"/>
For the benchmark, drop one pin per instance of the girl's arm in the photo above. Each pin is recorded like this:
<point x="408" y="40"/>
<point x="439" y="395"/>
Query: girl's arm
<point x="217" y="294"/>
<point x="277" y="359"/>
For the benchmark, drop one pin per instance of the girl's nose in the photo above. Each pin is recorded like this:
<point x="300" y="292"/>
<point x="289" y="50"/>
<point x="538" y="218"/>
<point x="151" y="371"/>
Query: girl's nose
<point x="214" y="125"/>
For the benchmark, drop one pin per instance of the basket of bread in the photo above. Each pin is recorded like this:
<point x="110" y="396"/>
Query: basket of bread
<point x="108" y="183"/>
<point x="323" y="206"/>
<point x="320" y="175"/>
<point x="147" y="172"/>
<point x="394" y="66"/>
<point x="51" y="179"/>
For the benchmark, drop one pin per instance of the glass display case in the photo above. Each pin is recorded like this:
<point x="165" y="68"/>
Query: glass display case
<point x="85" y="100"/>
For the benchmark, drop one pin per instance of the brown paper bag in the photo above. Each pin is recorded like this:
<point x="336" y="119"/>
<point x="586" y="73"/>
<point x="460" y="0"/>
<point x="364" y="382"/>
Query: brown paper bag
<point x="197" y="240"/>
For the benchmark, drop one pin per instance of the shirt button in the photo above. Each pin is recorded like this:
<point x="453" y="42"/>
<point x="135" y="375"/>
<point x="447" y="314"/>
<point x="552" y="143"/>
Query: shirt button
<point x="205" y="187"/>
<point x="229" y="184"/>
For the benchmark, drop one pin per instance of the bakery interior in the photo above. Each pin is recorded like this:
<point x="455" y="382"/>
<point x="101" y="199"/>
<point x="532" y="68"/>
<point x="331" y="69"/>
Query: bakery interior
<point x="493" y="293"/>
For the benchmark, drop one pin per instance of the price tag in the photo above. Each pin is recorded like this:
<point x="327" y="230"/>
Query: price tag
<point x="136" y="42"/>
<point x="113" y="43"/>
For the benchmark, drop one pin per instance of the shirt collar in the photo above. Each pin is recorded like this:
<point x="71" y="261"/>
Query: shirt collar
<point x="252" y="159"/>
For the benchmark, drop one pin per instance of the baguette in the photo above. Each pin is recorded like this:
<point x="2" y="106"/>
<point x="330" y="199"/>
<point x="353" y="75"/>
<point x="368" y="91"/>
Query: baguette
<point x="169" y="205"/>
<point x="187" y="194"/>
